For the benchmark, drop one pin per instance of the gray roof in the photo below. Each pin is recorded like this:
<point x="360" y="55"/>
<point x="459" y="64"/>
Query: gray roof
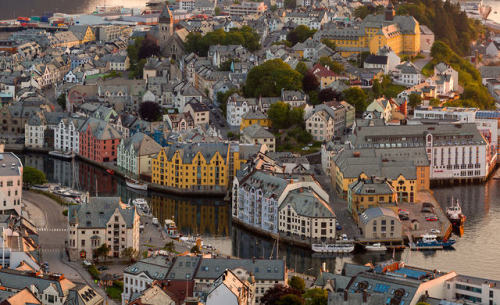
<point x="102" y="130"/>
<point x="271" y="185"/>
<point x="98" y="211"/>
<point x="254" y="115"/>
<point x="371" y="187"/>
<point x="12" y="165"/>
<point x="306" y="203"/>
<point x="155" y="267"/>
<point x="19" y="280"/>
<point x="183" y="268"/>
<point x="257" y="131"/>
<point x="376" y="212"/>
<point x="143" y="144"/>
<point x="262" y="269"/>
<point x="189" y="150"/>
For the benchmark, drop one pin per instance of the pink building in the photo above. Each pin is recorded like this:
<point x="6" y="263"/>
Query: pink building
<point x="99" y="141"/>
<point x="11" y="182"/>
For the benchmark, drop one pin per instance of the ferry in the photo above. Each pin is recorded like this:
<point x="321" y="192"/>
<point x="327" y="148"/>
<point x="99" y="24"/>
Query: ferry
<point x="429" y="242"/>
<point x="171" y="229"/>
<point x="332" y="248"/>
<point x="136" y="184"/>
<point x="454" y="213"/>
<point x="376" y="247"/>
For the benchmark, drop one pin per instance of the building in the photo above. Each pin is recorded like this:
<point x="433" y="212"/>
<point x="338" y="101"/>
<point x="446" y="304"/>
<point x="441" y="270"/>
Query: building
<point x="229" y="289"/>
<point x="21" y="297"/>
<point x="324" y="123"/>
<point x="426" y="39"/>
<point x="380" y="223"/>
<point x="400" y="33"/>
<point x="47" y="288"/>
<point x="238" y="106"/>
<point x="256" y="134"/>
<point x="135" y="154"/>
<point x="67" y="135"/>
<point x="98" y="140"/>
<point x="463" y="288"/>
<point x="153" y="295"/>
<point x="104" y="220"/>
<point x="197" y="166"/>
<point x="407" y="74"/>
<point x="141" y="275"/>
<point x="199" y="112"/>
<point x="254" y="117"/>
<point x="19" y="243"/>
<point x="293" y="98"/>
<point x="11" y="182"/>
<point x="324" y="75"/>
<point x="35" y="131"/>
<point x="368" y="193"/>
<point x="247" y="8"/>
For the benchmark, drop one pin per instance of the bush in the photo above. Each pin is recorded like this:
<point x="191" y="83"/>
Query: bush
<point x="94" y="273"/>
<point x="65" y="212"/>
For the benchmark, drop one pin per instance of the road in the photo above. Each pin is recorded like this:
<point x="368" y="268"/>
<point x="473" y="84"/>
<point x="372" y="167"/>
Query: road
<point x="46" y="215"/>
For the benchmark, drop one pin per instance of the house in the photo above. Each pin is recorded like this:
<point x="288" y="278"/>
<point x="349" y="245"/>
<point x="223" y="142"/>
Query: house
<point x="376" y="62"/>
<point x="324" y="75"/>
<point x="19" y="243"/>
<point x="324" y="123"/>
<point x="11" y="184"/>
<point x="229" y="289"/>
<point x="98" y="140"/>
<point x="426" y="39"/>
<point x="103" y="220"/>
<point x="238" y="106"/>
<point x="83" y="33"/>
<point x="198" y="111"/>
<point x="246" y="8"/>
<point x="179" y="121"/>
<point x="153" y="295"/>
<point x="135" y="154"/>
<point x="256" y="134"/>
<point x="383" y="107"/>
<point x="372" y="192"/>
<point x="21" y="297"/>
<point x="254" y="117"/>
<point x="493" y="49"/>
<point x="35" y="131"/>
<point x="67" y="135"/>
<point x="448" y="75"/>
<point x="407" y="74"/>
<point x="380" y="223"/>
<point x="293" y="98"/>
<point x="117" y="62"/>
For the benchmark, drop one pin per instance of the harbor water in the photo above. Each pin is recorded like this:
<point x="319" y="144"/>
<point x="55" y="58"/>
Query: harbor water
<point x="475" y="253"/>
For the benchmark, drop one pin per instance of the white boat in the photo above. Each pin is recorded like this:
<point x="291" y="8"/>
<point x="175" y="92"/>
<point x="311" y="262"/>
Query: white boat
<point x="454" y="210"/>
<point x="332" y="248"/>
<point x="155" y="221"/>
<point x="136" y="184"/>
<point x="376" y="247"/>
<point x="61" y="154"/>
<point x="171" y="229"/>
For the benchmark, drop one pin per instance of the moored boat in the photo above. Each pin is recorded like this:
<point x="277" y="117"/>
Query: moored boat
<point x="110" y="171"/>
<point x="454" y="213"/>
<point x="376" y="247"/>
<point x="429" y="242"/>
<point x="61" y="154"/>
<point x="171" y="229"/>
<point x="136" y="184"/>
<point x="333" y="248"/>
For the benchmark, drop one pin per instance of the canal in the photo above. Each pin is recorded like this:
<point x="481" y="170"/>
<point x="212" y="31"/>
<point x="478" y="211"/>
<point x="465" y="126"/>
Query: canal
<point x="475" y="253"/>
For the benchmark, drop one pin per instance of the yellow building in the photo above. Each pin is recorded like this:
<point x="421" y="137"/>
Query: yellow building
<point x="197" y="166"/>
<point x="401" y="33"/>
<point x="370" y="193"/>
<point x="254" y="117"/>
<point x="83" y="33"/>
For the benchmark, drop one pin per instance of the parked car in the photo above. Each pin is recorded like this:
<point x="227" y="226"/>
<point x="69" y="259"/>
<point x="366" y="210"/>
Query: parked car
<point x="87" y="263"/>
<point x="102" y="268"/>
<point x="431" y="218"/>
<point x="403" y="217"/>
<point x="435" y="231"/>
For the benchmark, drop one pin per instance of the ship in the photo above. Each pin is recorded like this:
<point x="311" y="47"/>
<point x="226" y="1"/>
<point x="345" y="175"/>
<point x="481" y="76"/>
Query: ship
<point x="430" y="242"/>
<point x="171" y="229"/>
<point x="333" y="248"/>
<point x="136" y="184"/>
<point x="454" y="213"/>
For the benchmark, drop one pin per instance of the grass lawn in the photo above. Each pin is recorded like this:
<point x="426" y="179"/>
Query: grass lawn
<point x="114" y="292"/>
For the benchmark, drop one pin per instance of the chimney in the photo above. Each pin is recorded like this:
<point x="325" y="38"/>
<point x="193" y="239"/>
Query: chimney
<point x="365" y="296"/>
<point x="346" y="296"/>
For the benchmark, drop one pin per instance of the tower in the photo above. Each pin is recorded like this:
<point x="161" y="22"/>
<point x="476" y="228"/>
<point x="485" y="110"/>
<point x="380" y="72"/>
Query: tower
<point x="165" y="23"/>
<point x="389" y="12"/>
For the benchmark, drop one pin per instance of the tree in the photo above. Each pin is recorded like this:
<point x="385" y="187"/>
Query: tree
<point x="329" y="43"/>
<point x="376" y="88"/>
<point x="195" y="249"/>
<point x="362" y="58"/>
<point x="313" y="98"/>
<point x="61" y="100"/>
<point x="290" y="4"/>
<point x="435" y="102"/>
<point x="170" y="247"/>
<point x="129" y="253"/>
<point x="270" y="77"/>
<point x="357" y="98"/>
<point x="328" y="94"/>
<point x="290" y="299"/>
<point x="150" y="111"/>
<point x="301" y="68"/>
<point x="278" y="114"/>
<point x="333" y="65"/>
<point x="316" y="296"/>
<point x="33" y="176"/>
<point x="310" y="82"/>
<point x="148" y="48"/>
<point x="222" y="99"/>
<point x="102" y="251"/>
<point x="297" y="283"/>
<point x="274" y="294"/>
<point x="199" y="44"/>
<point x="300" y="34"/>
<point x="217" y="11"/>
<point x="415" y="100"/>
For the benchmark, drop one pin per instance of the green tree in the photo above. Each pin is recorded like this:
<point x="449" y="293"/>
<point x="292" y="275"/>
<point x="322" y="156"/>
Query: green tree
<point x="314" y="98"/>
<point x="301" y="68"/>
<point x="434" y="102"/>
<point x="102" y="251"/>
<point x="129" y="253"/>
<point x="376" y="88"/>
<point x="270" y="77"/>
<point x="222" y="99"/>
<point x="273" y="295"/>
<point x="300" y="34"/>
<point x="217" y="11"/>
<point x="414" y="100"/>
<point x="278" y="114"/>
<point x="245" y="36"/>
<point x="297" y="283"/>
<point x="316" y="296"/>
<point x="61" y="100"/>
<point x="329" y="43"/>
<point x="333" y="65"/>
<point x="195" y="249"/>
<point x="290" y="299"/>
<point x="357" y="98"/>
<point x="170" y="247"/>
<point x="310" y="82"/>
<point x="33" y="176"/>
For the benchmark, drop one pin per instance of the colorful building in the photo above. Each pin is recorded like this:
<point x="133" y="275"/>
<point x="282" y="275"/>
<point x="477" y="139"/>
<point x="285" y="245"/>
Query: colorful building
<point x="370" y="193"/>
<point x="135" y="154"/>
<point x="254" y="117"/>
<point x="99" y="141"/>
<point x="197" y="166"/>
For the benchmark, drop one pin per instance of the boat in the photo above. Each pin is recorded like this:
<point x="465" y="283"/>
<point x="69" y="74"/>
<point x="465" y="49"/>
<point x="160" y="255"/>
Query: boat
<point x="333" y="248"/>
<point x="155" y="221"/>
<point x="454" y="213"/>
<point x="40" y="187"/>
<point x="171" y="229"/>
<point x="61" y="154"/>
<point x="429" y="242"/>
<point x="110" y="171"/>
<point x="132" y="183"/>
<point x="375" y="247"/>
<point x="141" y="204"/>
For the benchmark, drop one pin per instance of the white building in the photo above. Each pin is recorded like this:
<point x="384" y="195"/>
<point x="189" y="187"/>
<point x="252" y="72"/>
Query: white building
<point x="238" y="106"/>
<point x="11" y="182"/>
<point x="66" y="135"/>
<point x="247" y="8"/>
<point x="228" y="289"/>
<point x="407" y="74"/>
<point x="34" y="131"/>
<point x="472" y="290"/>
<point x="458" y="114"/>
<point x="187" y="5"/>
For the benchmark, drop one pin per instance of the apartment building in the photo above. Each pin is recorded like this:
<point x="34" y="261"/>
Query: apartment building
<point x="238" y="106"/>
<point x="256" y="134"/>
<point x="135" y="154"/>
<point x="198" y="111"/>
<point x="18" y="243"/>
<point x="98" y="140"/>
<point x="247" y="8"/>
<point x="380" y="223"/>
<point x="229" y="289"/>
<point x="102" y="220"/>
<point x="254" y="117"/>
<point x="67" y="135"/>
<point x="368" y="193"/>
<point x="324" y="122"/>
<point x="11" y="182"/>
<point x="197" y="166"/>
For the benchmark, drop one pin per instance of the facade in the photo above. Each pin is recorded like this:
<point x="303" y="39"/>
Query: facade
<point x="238" y="106"/>
<point x="179" y="121"/>
<point x="35" y="131"/>
<point x="256" y="134"/>
<point x="153" y="295"/>
<point x="11" y="182"/>
<point x="67" y="135"/>
<point x="324" y="75"/>
<point x="407" y="74"/>
<point x="229" y="289"/>
<point x="136" y="153"/>
<point x="324" y="123"/>
<point x="247" y="8"/>
<point x="104" y="220"/>
<point x="99" y="140"/>
<point x="199" y="112"/>
<point x="254" y="117"/>
<point x="196" y="166"/>
<point x="380" y="223"/>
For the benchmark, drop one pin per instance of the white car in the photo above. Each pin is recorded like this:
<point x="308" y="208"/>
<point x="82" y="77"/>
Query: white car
<point x="86" y="263"/>
<point x="435" y="231"/>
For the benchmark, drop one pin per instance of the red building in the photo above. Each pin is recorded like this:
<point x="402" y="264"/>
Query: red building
<point x="99" y="140"/>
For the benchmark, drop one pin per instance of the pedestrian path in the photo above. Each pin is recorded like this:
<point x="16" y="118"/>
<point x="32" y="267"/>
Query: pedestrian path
<point x="44" y="229"/>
